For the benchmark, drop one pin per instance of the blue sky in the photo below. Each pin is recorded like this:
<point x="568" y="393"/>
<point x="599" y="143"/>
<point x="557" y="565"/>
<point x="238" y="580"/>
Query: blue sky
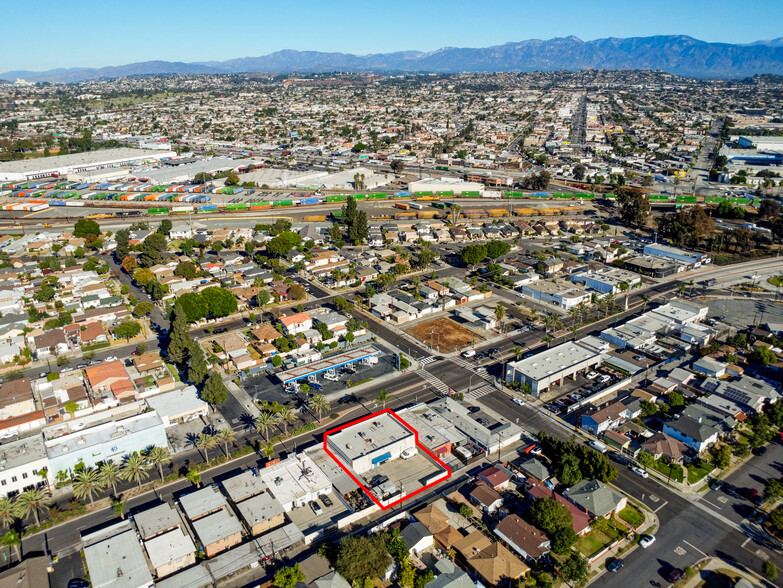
<point x="45" y="34"/>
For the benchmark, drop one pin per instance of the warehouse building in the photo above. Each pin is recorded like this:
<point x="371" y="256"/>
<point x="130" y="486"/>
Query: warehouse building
<point x="77" y="163"/>
<point x="654" y="267"/>
<point x="371" y="442"/>
<point x="688" y="257"/>
<point x="552" y="366"/>
<point x="455" y="185"/>
<point x="606" y="280"/>
<point x="564" y="295"/>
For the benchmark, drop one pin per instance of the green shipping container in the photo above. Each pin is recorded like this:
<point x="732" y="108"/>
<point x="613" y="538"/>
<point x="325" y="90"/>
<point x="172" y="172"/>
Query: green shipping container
<point x="279" y="203"/>
<point x="423" y="194"/>
<point x="335" y="198"/>
<point x="360" y="197"/>
<point x="471" y="194"/>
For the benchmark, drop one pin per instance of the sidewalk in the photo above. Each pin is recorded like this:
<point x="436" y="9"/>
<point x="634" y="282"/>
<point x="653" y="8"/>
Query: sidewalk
<point x="713" y="566"/>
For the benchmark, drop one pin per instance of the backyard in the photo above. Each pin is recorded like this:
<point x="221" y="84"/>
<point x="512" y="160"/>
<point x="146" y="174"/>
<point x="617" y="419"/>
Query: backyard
<point x="443" y="334"/>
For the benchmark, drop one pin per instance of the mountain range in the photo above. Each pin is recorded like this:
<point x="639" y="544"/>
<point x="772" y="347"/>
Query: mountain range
<point x="676" y="54"/>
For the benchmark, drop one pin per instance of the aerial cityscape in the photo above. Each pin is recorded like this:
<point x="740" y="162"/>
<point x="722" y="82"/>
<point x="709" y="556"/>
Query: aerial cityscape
<point x="397" y="316"/>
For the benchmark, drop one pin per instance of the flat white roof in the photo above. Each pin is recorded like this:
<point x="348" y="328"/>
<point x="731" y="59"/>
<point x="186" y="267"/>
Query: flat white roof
<point x="75" y="159"/>
<point x="177" y="402"/>
<point x="169" y="547"/>
<point x="115" y="559"/>
<point x="294" y="477"/>
<point x="243" y="485"/>
<point x="367" y="436"/>
<point x="216" y="526"/>
<point x="554" y="360"/>
<point x="154" y="520"/>
<point x="259" y="508"/>
<point x="202" y="501"/>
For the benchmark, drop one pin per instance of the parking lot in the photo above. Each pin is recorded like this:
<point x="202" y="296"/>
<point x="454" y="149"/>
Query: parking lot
<point x="332" y="509"/>
<point x="265" y="387"/>
<point x="409" y="474"/>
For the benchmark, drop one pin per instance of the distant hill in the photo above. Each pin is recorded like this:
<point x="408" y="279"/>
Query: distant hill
<point x="677" y="54"/>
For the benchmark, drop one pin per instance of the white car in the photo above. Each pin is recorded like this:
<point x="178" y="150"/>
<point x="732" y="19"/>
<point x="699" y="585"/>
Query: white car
<point x="518" y="401"/>
<point x="111" y="358"/>
<point x="469" y="353"/>
<point x="646" y="541"/>
<point x="639" y="472"/>
<point x="409" y="453"/>
<point x="592" y="376"/>
<point x="604" y="379"/>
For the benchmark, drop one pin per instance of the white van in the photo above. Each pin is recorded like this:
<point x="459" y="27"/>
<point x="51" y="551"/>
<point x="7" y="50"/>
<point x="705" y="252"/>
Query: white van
<point x="409" y="453"/>
<point x="598" y="446"/>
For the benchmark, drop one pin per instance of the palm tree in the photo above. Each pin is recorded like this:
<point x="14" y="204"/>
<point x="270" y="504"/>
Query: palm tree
<point x="110" y="475"/>
<point x="264" y="421"/>
<point x="454" y="211"/>
<point x="61" y="477"/>
<point x="30" y="502"/>
<point x="574" y="314"/>
<point x="645" y="300"/>
<point x="548" y="339"/>
<point x="157" y="456"/>
<point x="205" y="442"/>
<point x="319" y="403"/>
<point x="86" y="484"/>
<point x="119" y="507"/>
<point x="135" y="467"/>
<point x="227" y="436"/>
<point x="690" y="283"/>
<point x="12" y="538"/>
<point x="285" y="416"/>
<point x="269" y="450"/>
<point x="194" y="477"/>
<point x="610" y="303"/>
<point x="681" y="289"/>
<point x="382" y="397"/>
<point x="7" y="512"/>
<point x="518" y="352"/>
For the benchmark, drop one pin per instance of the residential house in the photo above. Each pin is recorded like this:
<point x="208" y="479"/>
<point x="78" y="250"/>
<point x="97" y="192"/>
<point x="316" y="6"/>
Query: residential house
<point x="596" y="498"/>
<point x="16" y="398"/>
<point x="495" y="478"/>
<point x="261" y="513"/>
<point x="488" y="499"/>
<point x="93" y="333"/>
<point x="606" y="418"/>
<point x="417" y="537"/>
<point x="580" y="520"/>
<point x="693" y="433"/>
<point x="50" y="344"/>
<point x="111" y="377"/>
<point x="296" y="323"/>
<point x="218" y="532"/>
<point x="661" y="444"/>
<point x="523" y="538"/>
<point x="493" y="563"/>
<point x="748" y="393"/>
<point x="170" y="552"/>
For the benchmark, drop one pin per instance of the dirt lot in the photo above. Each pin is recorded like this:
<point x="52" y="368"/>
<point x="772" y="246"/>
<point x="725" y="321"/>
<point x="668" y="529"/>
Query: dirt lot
<point x="443" y="334"/>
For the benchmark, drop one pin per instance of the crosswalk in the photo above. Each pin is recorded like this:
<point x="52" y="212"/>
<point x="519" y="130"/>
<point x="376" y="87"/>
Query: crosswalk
<point x="433" y="381"/>
<point x="428" y="360"/>
<point x="479" y="392"/>
<point x="463" y="363"/>
<point x="481" y="373"/>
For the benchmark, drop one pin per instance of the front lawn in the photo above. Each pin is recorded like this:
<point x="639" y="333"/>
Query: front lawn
<point x="632" y="515"/>
<point x="592" y="542"/>
<point x="675" y="470"/>
<point x="696" y="473"/>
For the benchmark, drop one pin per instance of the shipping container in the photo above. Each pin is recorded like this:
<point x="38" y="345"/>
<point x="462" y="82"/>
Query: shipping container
<point x="74" y="203"/>
<point x="416" y="205"/>
<point x="309" y="201"/>
<point x="402" y="206"/>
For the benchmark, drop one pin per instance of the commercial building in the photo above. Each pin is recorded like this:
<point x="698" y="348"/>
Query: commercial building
<point x="107" y="441"/>
<point x="178" y="406"/>
<point x="371" y="442"/>
<point x="114" y="558"/>
<point x="77" y="163"/>
<point x="551" y="366"/>
<point x="21" y="461"/>
<point x="681" y="255"/>
<point x="296" y="481"/>
<point x="606" y="280"/>
<point x="332" y="362"/>
<point x="654" y="267"/>
<point x="564" y="295"/>
<point x="457" y="186"/>
<point x="460" y="427"/>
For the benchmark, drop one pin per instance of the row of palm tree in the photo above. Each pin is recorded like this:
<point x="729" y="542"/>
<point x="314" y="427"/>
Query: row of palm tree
<point x="29" y="502"/>
<point x="206" y="441"/>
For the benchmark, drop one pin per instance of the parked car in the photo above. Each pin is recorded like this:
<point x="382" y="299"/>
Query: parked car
<point x="409" y="453"/>
<point x="759" y="451"/>
<point x="42" y="375"/>
<point x="615" y="565"/>
<point x="619" y="458"/>
<point x="494" y="350"/>
<point x="519" y="401"/>
<point x="646" y="541"/>
<point x="111" y="358"/>
<point x="81" y="366"/>
<point x="316" y="508"/>
<point x="473" y="409"/>
<point x="592" y="376"/>
<point x="604" y="379"/>
<point x="639" y="472"/>
<point x="674" y="575"/>
<point x="326" y="500"/>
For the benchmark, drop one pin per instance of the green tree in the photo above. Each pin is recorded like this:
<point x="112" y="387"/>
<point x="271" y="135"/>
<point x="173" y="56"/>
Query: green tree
<point x="158" y="457"/>
<point x="350" y="210"/>
<point x="197" y="364"/>
<point x="221" y="302"/>
<point x="262" y="298"/>
<point x="773" y="489"/>
<point x="407" y="575"/>
<point x="285" y="416"/>
<point x="111" y="475"/>
<point x="179" y="336"/>
<point x="382" y="397"/>
<point x="164" y="228"/>
<point x="127" y="330"/>
<point x="13" y="539"/>
<point x="204" y="442"/>
<point x="568" y="470"/>
<point x="232" y="179"/>
<point x="575" y="570"/>
<point x="646" y="459"/>
<point x="549" y="515"/>
<point x="675" y="399"/>
<point x="135" y="468"/>
<point x="214" y="391"/>
<point x="497" y="249"/>
<point x="472" y="255"/>
<point x="563" y="539"/>
<point x="649" y="408"/>
<point x="119" y="507"/>
<point x="634" y="206"/>
<point x="186" y="269"/>
<point x="579" y="172"/>
<point x="319" y="404"/>
<point x="86" y="484"/>
<point x="226" y="437"/>
<point x="143" y="308"/>
<point x="289" y="576"/>
<point x="153" y="250"/>
<point x="85" y="228"/>
<point x="7" y="512"/>
<point x="721" y="456"/>
<point x="769" y="570"/>
<point x="283" y="243"/>
<point x="762" y="356"/>
<point x="31" y="502"/>
<point x="264" y="421"/>
<point x="360" y="557"/>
